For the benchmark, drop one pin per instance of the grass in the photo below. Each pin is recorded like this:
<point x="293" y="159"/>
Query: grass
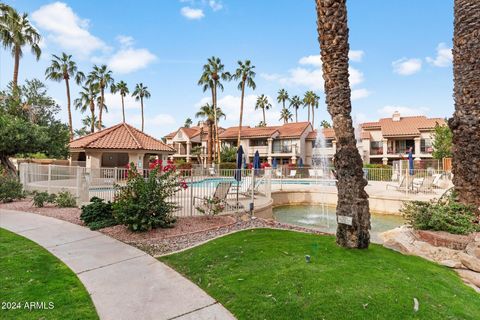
<point x="29" y="273"/>
<point x="262" y="274"/>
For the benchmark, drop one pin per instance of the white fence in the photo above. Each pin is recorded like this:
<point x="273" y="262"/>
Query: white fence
<point x="202" y="184"/>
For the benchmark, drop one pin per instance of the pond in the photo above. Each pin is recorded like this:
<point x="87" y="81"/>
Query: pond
<point x="323" y="217"/>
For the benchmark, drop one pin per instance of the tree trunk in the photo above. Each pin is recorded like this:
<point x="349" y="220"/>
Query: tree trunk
<point x="241" y="114"/>
<point x="123" y="109"/>
<point x="264" y="121"/>
<point x="92" y="114"/>
<point x="352" y="198"/>
<point x="141" y="105"/>
<point x="296" y="115"/>
<point x="308" y="107"/>
<point x="217" y="142"/>
<point x="210" y="143"/>
<point x="313" y="116"/>
<point x="465" y="123"/>
<point x="69" y="109"/>
<point x="8" y="165"/>
<point x="16" y="66"/>
<point x="102" y="100"/>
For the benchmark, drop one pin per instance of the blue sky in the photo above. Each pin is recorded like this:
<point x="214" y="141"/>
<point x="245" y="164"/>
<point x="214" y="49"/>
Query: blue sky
<point x="400" y="54"/>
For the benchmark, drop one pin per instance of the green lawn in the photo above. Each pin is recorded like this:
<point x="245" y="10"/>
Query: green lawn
<point x="29" y="273"/>
<point x="262" y="274"/>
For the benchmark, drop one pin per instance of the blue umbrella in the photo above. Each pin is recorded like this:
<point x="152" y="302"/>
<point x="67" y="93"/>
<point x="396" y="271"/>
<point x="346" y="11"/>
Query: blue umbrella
<point x="256" y="161"/>
<point x="238" y="171"/>
<point x="300" y="163"/>
<point x="274" y="163"/>
<point x="410" y="161"/>
<point x="244" y="162"/>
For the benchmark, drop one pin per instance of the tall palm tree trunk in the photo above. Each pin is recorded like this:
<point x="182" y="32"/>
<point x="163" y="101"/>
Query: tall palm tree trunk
<point x="16" y="66"/>
<point x="92" y="111"/>
<point x="465" y="123"/>
<point x="264" y="121"/>
<point x="210" y="143"/>
<point x="241" y="113"/>
<point x="102" y="100"/>
<point x="123" y="109"/>
<point x="141" y="106"/>
<point x="296" y="115"/>
<point x="69" y="109"/>
<point x="217" y="141"/>
<point x="352" y="206"/>
<point x="313" y="116"/>
<point x="308" y="107"/>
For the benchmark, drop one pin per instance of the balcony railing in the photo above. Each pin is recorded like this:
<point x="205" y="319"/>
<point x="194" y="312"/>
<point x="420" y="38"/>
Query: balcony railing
<point x="282" y="149"/>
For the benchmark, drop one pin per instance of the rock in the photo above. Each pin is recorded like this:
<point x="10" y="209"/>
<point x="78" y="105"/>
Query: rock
<point x="396" y="246"/>
<point x="470" y="262"/>
<point x="399" y="239"/>
<point x="451" y="264"/>
<point x="444" y="239"/>
<point x="473" y="249"/>
<point x="470" y="276"/>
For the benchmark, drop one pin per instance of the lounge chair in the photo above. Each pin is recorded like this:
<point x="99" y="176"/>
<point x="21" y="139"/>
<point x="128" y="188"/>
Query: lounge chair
<point x="221" y="192"/>
<point x="292" y="174"/>
<point x="279" y="173"/>
<point x="418" y="184"/>
<point x="402" y="184"/>
<point x="212" y="171"/>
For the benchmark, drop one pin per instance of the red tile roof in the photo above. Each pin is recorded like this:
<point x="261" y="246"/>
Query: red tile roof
<point x="293" y="130"/>
<point x="247" y="132"/>
<point x="328" y="133"/>
<point x="120" y="136"/>
<point x="406" y="126"/>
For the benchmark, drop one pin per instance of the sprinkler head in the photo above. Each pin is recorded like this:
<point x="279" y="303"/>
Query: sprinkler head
<point x="307" y="258"/>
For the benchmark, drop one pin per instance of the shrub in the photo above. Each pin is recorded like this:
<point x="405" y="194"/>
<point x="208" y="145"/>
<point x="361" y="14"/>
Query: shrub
<point x="98" y="214"/>
<point x="65" y="199"/>
<point x="40" y="198"/>
<point x="211" y="206"/>
<point x="447" y="214"/>
<point x="142" y="204"/>
<point x="228" y="165"/>
<point x="10" y="188"/>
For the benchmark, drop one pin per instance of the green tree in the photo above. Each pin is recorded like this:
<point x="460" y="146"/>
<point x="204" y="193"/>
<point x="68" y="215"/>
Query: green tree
<point x="262" y="103"/>
<point x="295" y="103"/>
<point x="325" y="124"/>
<point x="85" y="129"/>
<point x="285" y="115"/>
<point x="282" y="96"/>
<point x="245" y="74"/>
<point x="208" y="114"/>
<point x="141" y="92"/>
<point x="63" y="68"/>
<point x="17" y="32"/>
<point x="122" y="88"/>
<point x="442" y="142"/>
<point x="101" y="78"/>
<point x="28" y="124"/>
<point x="86" y="101"/>
<point x="310" y="101"/>
<point x="229" y="154"/>
<point x="188" y="123"/>
<point x="213" y="73"/>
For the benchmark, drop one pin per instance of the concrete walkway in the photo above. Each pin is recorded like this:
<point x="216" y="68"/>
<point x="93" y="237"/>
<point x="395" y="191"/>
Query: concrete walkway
<point x="124" y="282"/>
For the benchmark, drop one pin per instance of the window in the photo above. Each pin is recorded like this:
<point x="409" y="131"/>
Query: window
<point x="376" y="147"/>
<point x="258" y="142"/>
<point x="328" y="144"/>
<point x="426" y="146"/>
<point x="282" y="146"/>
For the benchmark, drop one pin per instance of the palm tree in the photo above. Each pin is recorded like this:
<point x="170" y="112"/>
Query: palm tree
<point x="245" y="74"/>
<point x="86" y="101"/>
<point x="62" y="68"/>
<point x="285" y="115"/>
<point x="282" y="97"/>
<point x="86" y="122"/>
<point x="16" y="32"/>
<point x="262" y="103"/>
<point x="188" y="123"/>
<point x="141" y="92"/>
<point x="352" y="206"/>
<point x="213" y="73"/>
<point x="325" y="124"/>
<point x="102" y="78"/>
<point x="465" y="123"/>
<point x="295" y="103"/>
<point x="208" y="114"/>
<point x="316" y="100"/>
<point x="122" y="88"/>
<point x="309" y="101"/>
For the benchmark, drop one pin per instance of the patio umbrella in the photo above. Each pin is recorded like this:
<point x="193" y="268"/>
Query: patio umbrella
<point x="410" y="161"/>
<point x="238" y="172"/>
<point x="300" y="163"/>
<point x="256" y="162"/>
<point x="274" y="163"/>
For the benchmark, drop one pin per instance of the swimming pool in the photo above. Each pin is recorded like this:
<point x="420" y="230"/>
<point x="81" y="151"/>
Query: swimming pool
<point x="214" y="181"/>
<point x="323" y="217"/>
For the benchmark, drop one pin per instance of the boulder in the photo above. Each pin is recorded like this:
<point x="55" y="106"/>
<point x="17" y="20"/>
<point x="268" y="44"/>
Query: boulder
<point x="451" y="264"/>
<point x="444" y="239"/>
<point x="470" y="262"/>
<point x="470" y="276"/>
<point x="473" y="249"/>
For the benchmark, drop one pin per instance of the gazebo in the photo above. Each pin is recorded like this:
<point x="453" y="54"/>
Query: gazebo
<point x="116" y="147"/>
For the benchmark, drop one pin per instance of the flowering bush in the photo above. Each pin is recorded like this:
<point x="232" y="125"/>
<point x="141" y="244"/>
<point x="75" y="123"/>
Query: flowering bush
<point x="265" y="165"/>
<point x="142" y="204"/>
<point x="211" y="206"/>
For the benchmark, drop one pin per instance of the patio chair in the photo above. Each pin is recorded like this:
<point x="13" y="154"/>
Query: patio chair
<point x="402" y="184"/>
<point x="278" y="173"/>
<point x="212" y="171"/>
<point x="220" y="193"/>
<point x="292" y="174"/>
<point x="418" y="184"/>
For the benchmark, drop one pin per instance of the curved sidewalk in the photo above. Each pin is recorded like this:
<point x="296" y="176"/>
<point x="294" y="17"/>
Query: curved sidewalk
<point x="124" y="282"/>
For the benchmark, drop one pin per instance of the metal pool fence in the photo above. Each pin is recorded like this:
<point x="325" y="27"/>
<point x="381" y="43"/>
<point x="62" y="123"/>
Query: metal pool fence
<point x="202" y="186"/>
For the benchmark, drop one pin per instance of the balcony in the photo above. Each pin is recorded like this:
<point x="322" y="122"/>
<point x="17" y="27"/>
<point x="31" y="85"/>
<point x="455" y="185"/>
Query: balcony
<point x="262" y="150"/>
<point x="282" y="149"/>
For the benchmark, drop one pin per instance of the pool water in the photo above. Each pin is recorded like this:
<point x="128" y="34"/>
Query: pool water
<point x="324" y="218"/>
<point x="214" y="181"/>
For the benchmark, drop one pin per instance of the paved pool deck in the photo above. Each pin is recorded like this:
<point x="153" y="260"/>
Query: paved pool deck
<point x="124" y="282"/>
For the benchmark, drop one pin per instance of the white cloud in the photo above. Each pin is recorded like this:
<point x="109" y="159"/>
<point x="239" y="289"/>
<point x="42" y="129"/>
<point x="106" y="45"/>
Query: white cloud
<point x="313" y="60"/>
<point x="129" y="60"/>
<point x="356" y="55"/>
<point x="444" y="56"/>
<point x="125" y="41"/>
<point x="66" y="29"/>
<point x="406" y="67"/>
<point x="215" y="5"/>
<point x="404" y="111"/>
<point x="360" y="94"/>
<point x="191" y="13"/>
<point x="231" y="107"/>
<point x="114" y="101"/>
<point x="356" y="76"/>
